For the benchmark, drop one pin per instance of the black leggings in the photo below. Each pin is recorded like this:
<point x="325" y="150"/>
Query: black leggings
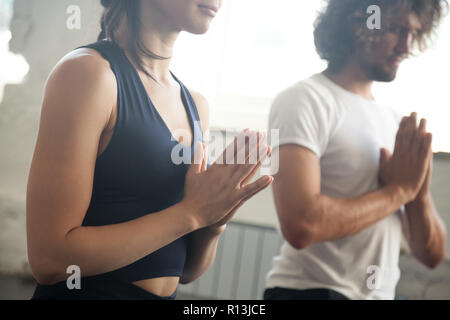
<point x="278" y="293"/>
<point x="95" y="289"/>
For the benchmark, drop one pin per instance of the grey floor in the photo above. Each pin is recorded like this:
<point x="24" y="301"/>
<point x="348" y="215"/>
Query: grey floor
<point x="14" y="288"/>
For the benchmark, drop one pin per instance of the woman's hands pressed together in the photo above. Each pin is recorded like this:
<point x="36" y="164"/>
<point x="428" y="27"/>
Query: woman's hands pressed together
<point x="213" y="196"/>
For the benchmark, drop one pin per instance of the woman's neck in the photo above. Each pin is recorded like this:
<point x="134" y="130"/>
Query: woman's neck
<point x="156" y="36"/>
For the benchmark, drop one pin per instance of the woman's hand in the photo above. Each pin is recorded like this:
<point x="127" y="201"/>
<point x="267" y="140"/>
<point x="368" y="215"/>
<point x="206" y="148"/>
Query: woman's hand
<point x="213" y="196"/>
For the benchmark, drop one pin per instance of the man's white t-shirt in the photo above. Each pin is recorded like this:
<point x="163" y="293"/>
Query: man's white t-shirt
<point x="346" y="132"/>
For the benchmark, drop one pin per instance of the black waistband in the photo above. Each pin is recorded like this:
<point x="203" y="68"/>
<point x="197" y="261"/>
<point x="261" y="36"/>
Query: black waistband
<point x="95" y="289"/>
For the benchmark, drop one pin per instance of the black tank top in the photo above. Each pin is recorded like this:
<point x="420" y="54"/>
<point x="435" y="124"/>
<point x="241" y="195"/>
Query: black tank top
<point x="135" y="176"/>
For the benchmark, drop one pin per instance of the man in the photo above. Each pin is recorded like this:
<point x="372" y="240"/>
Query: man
<point x="341" y="197"/>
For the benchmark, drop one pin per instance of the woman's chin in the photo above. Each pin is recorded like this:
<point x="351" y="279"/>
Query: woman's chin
<point x="199" y="28"/>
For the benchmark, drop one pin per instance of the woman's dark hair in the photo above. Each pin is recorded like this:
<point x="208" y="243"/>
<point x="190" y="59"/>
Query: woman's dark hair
<point x="114" y="12"/>
<point x="342" y="27"/>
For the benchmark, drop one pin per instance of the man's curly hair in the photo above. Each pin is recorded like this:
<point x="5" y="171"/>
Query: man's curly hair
<point x="341" y="27"/>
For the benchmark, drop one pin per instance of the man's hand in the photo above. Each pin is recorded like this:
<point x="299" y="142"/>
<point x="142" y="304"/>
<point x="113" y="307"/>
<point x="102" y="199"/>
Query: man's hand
<point x="422" y="226"/>
<point x="409" y="168"/>
<point x="385" y="157"/>
<point x="426" y="187"/>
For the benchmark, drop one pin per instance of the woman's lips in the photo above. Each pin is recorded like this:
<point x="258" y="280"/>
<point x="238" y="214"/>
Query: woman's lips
<point x="208" y="9"/>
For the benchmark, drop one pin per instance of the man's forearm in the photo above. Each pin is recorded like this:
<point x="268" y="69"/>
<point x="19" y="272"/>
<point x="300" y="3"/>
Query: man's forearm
<point x="333" y="218"/>
<point x="426" y="231"/>
<point x="201" y="252"/>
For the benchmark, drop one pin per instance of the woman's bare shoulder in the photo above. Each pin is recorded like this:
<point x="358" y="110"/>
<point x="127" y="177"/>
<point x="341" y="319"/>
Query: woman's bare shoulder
<point x="82" y="79"/>
<point x="83" y="63"/>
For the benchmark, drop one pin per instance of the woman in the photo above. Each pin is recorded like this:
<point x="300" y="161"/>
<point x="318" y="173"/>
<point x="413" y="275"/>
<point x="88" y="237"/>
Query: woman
<point x="104" y="192"/>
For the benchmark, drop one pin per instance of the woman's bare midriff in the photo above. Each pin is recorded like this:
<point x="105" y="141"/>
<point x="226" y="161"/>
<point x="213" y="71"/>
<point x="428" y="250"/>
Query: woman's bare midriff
<point x="165" y="286"/>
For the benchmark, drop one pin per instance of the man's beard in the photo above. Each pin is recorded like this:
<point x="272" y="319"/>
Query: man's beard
<point x="379" y="73"/>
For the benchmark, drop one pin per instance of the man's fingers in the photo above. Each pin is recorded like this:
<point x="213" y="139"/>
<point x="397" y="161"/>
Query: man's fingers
<point x="427" y="143"/>
<point x="423" y="126"/>
<point x="384" y="157"/>
<point x="413" y="120"/>
<point x="412" y="132"/>
<point x="400" y="138"/>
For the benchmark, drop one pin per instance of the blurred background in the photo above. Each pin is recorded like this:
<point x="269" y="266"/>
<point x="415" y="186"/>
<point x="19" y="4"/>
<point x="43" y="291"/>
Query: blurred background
<point x="255" y="49"/>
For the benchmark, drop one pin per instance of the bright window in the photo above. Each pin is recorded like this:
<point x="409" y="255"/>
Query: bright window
<point x="256" y="48"/>
<point x="422" y="85"/>
<point x="13" y="67"/>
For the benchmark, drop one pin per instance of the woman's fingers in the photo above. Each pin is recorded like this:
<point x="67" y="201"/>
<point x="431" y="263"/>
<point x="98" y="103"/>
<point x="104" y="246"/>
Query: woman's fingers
<point x="242" y="151"/>
<point x="205" y="158"/>
<point x="249" y="154"/>
<point x="198" y="158"/>
<point x="229" y="154"/>
<point x="253" y="188"/>
<point x="252" y="153"/>
<point x="240" y="145"/>
<point x="250" y="176"/>
<point x="246" y="172"/>
<point x="233" y="211"/>
<point x="247" y="179"/>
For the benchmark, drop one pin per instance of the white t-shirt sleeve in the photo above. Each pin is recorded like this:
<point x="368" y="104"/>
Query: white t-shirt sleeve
<point x="301" y="117"/>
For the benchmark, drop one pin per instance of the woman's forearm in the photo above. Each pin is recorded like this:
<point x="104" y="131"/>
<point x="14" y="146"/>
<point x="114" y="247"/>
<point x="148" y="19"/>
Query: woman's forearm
<point x="201" y="252"/>
<point x="97" y="250"/>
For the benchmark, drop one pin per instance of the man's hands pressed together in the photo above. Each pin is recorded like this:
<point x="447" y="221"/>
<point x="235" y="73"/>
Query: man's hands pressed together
<point x="409" y="170"/>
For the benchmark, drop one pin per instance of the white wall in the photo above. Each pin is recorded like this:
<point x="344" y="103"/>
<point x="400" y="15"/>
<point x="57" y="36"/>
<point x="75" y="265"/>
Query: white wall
<point x="40" y="34"/>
